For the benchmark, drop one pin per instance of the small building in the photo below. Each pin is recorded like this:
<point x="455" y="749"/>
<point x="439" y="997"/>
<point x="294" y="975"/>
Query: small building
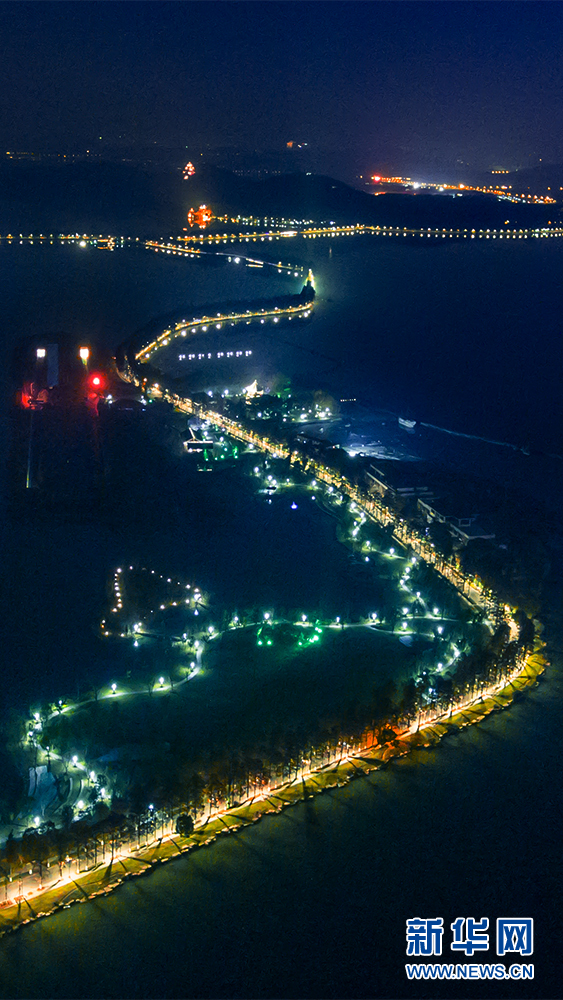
<point x="197" y="445"/>
<point x="446" y="510"/>
<point x="398" y="479"/>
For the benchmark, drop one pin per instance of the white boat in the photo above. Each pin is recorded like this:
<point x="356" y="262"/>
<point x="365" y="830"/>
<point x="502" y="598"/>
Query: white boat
<point x="409" y="425"/>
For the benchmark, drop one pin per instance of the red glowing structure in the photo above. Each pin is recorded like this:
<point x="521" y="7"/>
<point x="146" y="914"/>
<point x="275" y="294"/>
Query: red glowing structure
<point x="200" y="217"/>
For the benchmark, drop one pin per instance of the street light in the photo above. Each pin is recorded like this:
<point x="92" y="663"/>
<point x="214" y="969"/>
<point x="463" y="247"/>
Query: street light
<point x="84" y="354"/>
<point x="41" y="352"/>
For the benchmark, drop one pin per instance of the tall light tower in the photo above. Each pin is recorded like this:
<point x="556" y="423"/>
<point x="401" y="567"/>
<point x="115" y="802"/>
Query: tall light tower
<point x="49" y="355"/>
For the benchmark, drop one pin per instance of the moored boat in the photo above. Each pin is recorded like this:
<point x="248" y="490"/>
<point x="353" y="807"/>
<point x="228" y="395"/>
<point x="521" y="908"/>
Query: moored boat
<point x="408" y="425"/>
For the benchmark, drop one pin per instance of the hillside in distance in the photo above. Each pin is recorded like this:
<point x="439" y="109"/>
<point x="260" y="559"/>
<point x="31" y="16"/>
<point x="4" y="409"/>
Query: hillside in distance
<point x="541" y="179"/>
<point x="311" y="196"/>
<point x="131" y="199"/>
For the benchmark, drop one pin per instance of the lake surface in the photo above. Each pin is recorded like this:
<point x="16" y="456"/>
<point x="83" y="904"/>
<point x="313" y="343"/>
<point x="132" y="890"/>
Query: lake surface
<point x="313" y="903"/>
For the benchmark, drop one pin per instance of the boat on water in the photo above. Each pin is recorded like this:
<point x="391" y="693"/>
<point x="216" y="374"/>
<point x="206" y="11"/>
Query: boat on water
<point x="408" y="425"/>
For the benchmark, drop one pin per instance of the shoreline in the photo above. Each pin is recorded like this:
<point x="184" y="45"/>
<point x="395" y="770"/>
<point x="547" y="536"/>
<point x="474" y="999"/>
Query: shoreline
<point x="107" y="877"/>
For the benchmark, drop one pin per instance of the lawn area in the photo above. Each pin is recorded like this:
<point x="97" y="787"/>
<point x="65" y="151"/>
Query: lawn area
<point x="246" y="696"/>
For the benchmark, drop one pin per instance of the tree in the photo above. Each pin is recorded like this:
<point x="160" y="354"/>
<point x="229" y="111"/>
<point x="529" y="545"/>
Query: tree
<point x="194" y="791"/>
<point x="12" y="852"/>
<point x="280" y="385"/>
<point x="526" y="630"/>
<point x="323" y="401"/>
<point x="441" y="536"/>
<point x="216" y="786"/>
<point x="386" y="735"/>
<point x="409" y="699"/>
<point x="184" y="825"/>
<point x="67" y="816"/>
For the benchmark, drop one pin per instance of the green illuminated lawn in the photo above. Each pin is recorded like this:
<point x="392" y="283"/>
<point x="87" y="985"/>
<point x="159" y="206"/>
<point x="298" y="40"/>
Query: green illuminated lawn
<point x="247" y="697"/>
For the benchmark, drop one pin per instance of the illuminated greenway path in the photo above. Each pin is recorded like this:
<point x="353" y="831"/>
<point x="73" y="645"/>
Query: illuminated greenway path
<point x="183" y="244"/>
<point x="191" y="327"/>
<point x="469" y="587"/>
<point x="192" y="244"/>
<point x="469" y="708"/>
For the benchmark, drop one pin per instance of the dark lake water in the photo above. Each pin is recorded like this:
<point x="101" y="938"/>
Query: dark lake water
<point x="313" y="903"/>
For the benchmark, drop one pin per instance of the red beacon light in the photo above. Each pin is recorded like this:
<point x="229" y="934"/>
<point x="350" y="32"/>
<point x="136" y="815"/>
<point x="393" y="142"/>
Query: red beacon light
<point x="97" y="382"/>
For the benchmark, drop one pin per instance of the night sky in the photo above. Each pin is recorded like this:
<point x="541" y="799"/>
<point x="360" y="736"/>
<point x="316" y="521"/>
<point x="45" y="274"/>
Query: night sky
<point x="434" y="82"/>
